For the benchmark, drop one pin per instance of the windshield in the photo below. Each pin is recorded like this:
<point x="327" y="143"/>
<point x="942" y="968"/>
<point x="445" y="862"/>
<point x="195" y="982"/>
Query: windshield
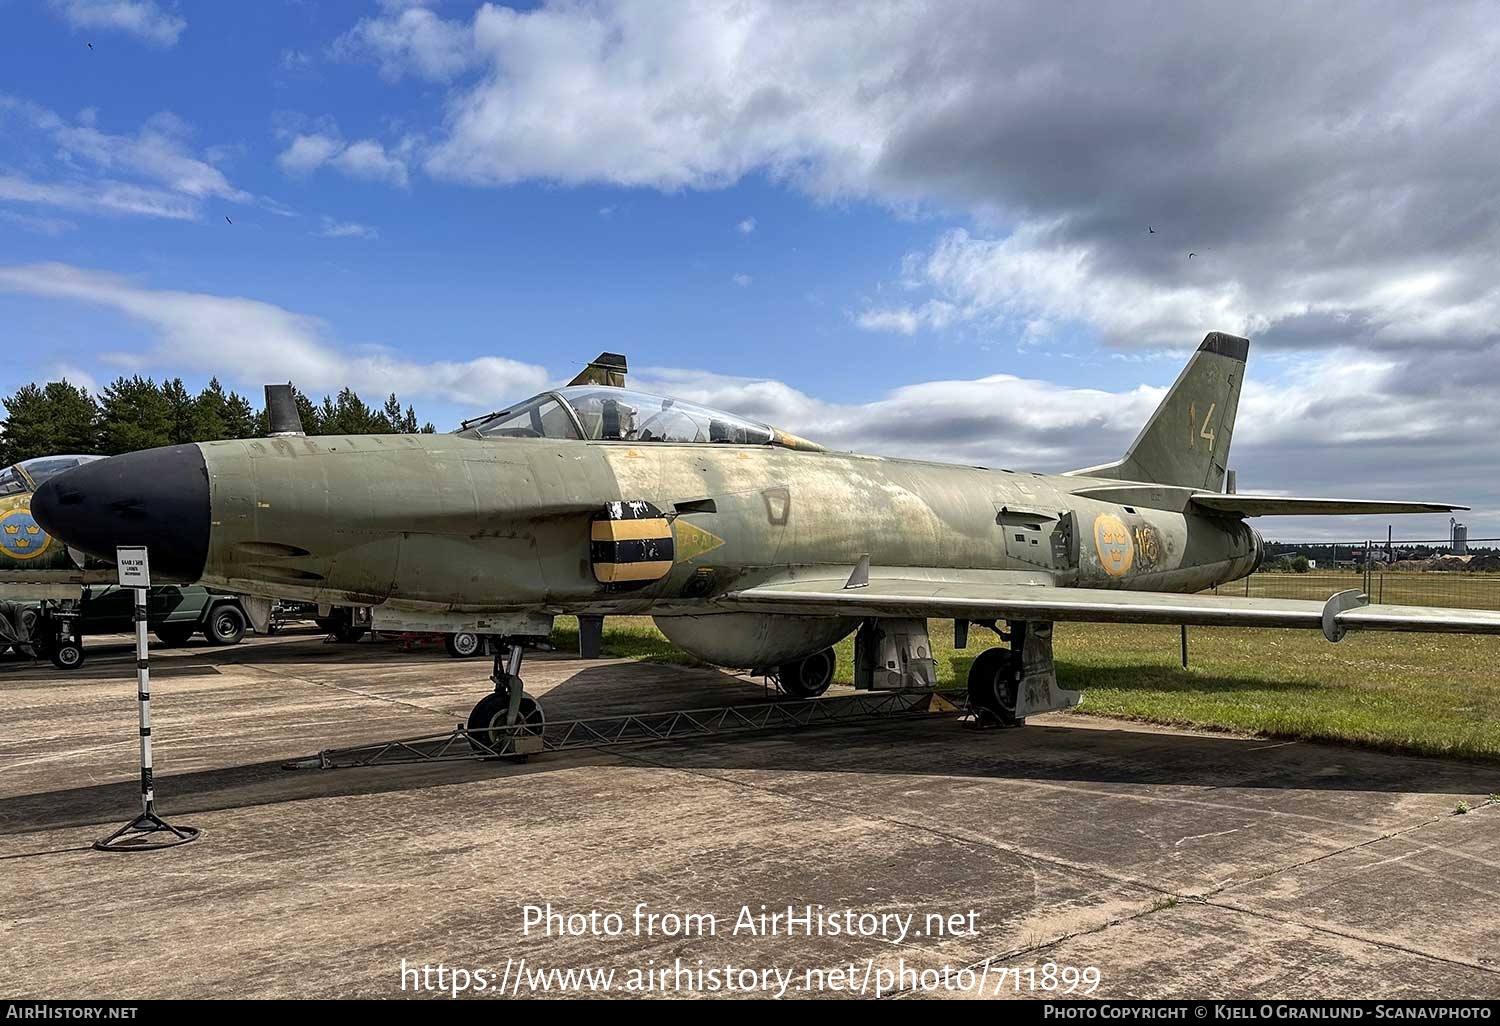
<point x="28" y="474"/>
<point x="617" y="414"/>
<point x="539" y="417"/>
<point x="43" y="467"/>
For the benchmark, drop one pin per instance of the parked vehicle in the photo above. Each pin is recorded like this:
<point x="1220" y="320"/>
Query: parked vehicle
<point x="174" y="614"/>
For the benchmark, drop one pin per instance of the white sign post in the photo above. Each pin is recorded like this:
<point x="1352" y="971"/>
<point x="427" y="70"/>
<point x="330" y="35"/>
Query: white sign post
<point x="134" y="564"/>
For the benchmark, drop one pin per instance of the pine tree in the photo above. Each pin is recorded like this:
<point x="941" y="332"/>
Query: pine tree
<point x="312" y="423"/>
<point x="210" y="414"/>
<point x="181" y="411"/>
<point x="75" y="418"/>
<point x="348" y="415"/>
<point x="133" y="415"/>
<point x="240" y="420"/>
<point x="327" y="418"/>
<point x="136" y="413"/>
<point x="27" y="425"/>
<point x="59" y="418"/>
<point x="392" y="415"/>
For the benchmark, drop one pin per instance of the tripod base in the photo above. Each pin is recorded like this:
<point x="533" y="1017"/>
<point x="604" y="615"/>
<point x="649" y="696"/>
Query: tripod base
<point x="137" y="835"/>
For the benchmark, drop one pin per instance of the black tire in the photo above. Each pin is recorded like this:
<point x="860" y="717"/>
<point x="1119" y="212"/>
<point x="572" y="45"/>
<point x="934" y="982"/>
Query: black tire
<point x="67" y="656"/>
<point x="225" y="626"/>
<point x="810" y="677"/>
<point x="995" y="688"/>
<point x="487" y="721"/>
<point x="174" y="634"/>
<point x="340" y="623"/>
<point x="464" y="645"/>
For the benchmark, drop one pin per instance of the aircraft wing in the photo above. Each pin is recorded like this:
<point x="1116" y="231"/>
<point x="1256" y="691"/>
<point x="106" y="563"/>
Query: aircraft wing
<point x="980" y="600"/>
<point x="1281" y="505"/>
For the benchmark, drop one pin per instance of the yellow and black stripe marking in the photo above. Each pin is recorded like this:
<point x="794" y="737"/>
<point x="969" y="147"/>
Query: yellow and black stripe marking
<point x="630" y="545"/>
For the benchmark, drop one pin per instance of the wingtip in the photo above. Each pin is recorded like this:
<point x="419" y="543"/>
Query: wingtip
<point x="1232" y="346"/>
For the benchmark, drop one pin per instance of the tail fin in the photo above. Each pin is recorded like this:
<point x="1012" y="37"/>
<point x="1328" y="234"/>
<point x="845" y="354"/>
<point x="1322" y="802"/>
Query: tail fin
<point x="1186" y="441"/>
<point x="604" y="369"/>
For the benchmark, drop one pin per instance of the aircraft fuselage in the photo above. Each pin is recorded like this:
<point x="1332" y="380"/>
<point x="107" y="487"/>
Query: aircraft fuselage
<point x="445" y="522"/>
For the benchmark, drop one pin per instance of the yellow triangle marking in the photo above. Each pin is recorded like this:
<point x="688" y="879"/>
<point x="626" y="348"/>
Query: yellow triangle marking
<point x="693" y="541"/>
<point x="934" y="703"/>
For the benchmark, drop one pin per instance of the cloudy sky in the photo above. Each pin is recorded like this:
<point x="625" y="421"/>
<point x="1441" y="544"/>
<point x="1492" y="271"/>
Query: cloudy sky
<point x="911" y="228"/>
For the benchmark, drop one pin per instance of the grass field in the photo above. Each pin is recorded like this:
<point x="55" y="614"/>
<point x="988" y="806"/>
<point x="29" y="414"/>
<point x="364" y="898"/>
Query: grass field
<point x="1461" y="590"/>
<point x="1424" y="694"/>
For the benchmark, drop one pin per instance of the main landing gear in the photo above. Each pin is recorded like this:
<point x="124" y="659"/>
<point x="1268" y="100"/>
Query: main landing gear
<point x="995" y="681"/>
<point x="509" y="721"/>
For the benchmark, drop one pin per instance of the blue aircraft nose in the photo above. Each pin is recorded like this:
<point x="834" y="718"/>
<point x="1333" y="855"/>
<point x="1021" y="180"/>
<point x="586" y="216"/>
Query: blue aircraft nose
<point x="157" y="498"/>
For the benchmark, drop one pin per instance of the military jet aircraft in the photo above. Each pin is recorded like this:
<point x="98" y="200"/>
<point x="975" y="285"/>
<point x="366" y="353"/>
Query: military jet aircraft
<point x="33" y="565"/>
<point x="749" y="546"/>
<point x="25" y="548"/>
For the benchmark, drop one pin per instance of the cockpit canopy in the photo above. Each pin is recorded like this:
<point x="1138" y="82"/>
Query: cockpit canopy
<point x="618" y="414"/>
<point x="28" y="474"/>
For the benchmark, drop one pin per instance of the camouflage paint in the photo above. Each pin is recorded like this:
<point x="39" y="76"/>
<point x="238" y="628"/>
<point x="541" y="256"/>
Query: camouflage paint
<point x="461" y="524"/>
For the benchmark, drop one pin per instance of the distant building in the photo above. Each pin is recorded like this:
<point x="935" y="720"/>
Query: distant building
<point x="1460" y="538"/>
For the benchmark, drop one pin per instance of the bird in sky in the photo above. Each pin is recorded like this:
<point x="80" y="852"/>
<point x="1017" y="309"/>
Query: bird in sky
<point x="226" y="217"/>
<point x="1191" y="255"/>
<point x="91" y="46"/>
<point x="1150" y="230"/>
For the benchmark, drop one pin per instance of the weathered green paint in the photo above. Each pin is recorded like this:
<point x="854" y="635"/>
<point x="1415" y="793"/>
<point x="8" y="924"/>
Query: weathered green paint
<point x="463" y="524"/>
<point x="757" y="551"/>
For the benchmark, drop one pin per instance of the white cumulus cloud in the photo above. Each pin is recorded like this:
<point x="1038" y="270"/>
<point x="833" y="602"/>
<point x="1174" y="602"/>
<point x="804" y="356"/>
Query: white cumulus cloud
<point x="154" y="172"/>
<point x="144" y="19"/>
<point x="409" y="39"/>
<point x="249" y="341"/>
<point x="334" y="229"/>
<point x="365" y="158"/>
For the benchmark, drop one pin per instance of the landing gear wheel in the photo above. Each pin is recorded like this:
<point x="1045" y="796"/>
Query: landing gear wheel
<point x="68" y="655"/>
<point x="226" y="626"/>
<point x="810" y="677"/>
<point x="463" y="645"/>
<point x="488" y="734"/>
<point x="341" y="625"/>
<point x="995" y="688"/>
<point x="173" y="635"/>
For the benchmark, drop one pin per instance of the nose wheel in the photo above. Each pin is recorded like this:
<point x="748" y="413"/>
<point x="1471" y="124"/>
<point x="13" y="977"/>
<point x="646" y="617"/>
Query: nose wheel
<point x="508" y="721"/>
<point x="490" y="727"/>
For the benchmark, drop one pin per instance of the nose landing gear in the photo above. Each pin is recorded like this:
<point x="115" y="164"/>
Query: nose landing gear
<point x="508" y="721"/>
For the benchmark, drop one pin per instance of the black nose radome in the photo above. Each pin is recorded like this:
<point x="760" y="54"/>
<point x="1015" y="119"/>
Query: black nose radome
<point x="157" y="498"/>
